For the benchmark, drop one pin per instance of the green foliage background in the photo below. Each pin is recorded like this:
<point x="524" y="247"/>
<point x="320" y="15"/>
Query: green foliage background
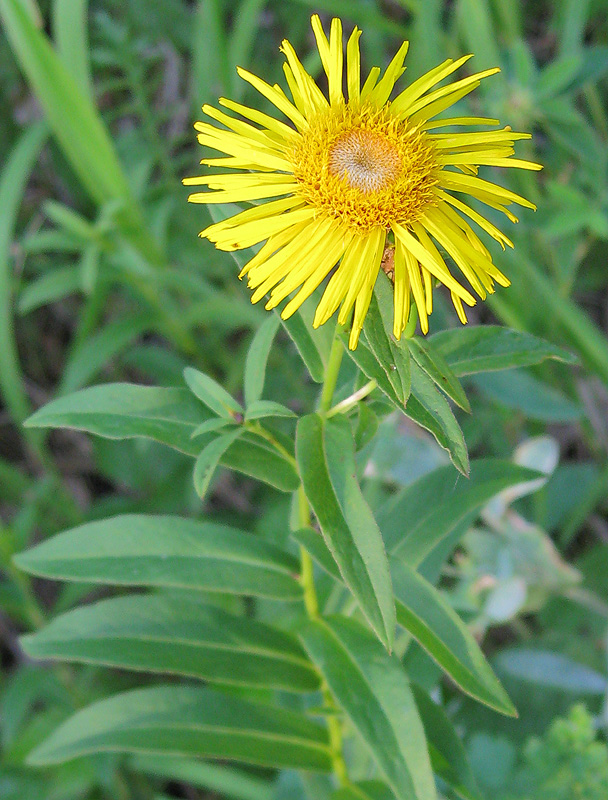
<point x="107" y="296"/>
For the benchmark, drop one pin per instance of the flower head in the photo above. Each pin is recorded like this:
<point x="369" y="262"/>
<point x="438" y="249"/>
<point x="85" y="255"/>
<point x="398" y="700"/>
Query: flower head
<point x="358" y="182"/>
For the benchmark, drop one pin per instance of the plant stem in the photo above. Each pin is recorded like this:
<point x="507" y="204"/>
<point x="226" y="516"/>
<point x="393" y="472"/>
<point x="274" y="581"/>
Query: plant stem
<point x="331" y="372"/>
<point x="311" y="600"/>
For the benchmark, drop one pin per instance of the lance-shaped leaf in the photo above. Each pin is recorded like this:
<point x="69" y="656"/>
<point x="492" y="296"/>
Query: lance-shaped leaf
<point x="430" y="360"/>
<point x="325" y="455"/>
<point x="125" y="411"/>
<point x="370" y="366"/>
<point x="302" y="336"/>
<point x="161" y="633"/>
<point x="260" y="409"/>
<point x="421" y="515"/>
<point x="182" y="720"/>
<point x="391" y="356"/>
<point x="372" y="688"/>
<point x="208" y="459"/>
<point x="428" y="407"/>
<point x="423" y="612"/>
<point x="433" y="623"/>
<point x="257" y="358"/>
<point x="254" y="456"/>
<point x="364" y="790"/>
<point x="485" y="348"/>
<point x="142" y="550"/>
<point x="448" y="756"/>
<point x="212" y="394"/>
<point x="229" y="781"/>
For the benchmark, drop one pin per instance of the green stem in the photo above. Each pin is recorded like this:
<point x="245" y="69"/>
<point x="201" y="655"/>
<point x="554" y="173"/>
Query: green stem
<point x="349" y="402"/>
<point x="331" y="372"/>
<point x="311" y="600"/>
<point x="255" y="427"/>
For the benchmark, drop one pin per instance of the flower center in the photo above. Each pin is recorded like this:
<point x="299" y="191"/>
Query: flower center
<point x="367" y="161"/>
<point x="365" y="167"/>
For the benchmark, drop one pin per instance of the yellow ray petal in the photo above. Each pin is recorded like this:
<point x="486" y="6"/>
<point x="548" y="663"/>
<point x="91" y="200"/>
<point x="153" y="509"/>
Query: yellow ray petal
<point x="401" y="302"/>
<point x="336" y="288"/>
<point x="336" y="63"/>
<point x="441" y="123"/>
<point x="370" y="82"/>
<point x="450" y="140"/>
<point x="382" y="91"/>
<point x="478" y="187"/>
<point x="427" y="259"/>
<point x="459" y="309"/>
<point x="413" y="271"/>
<point x="452" y="245"/>
<point x="289" y="259"/>
<point x="320" y="257"/>
<point x="487" y="226"/>
<point x="403" y="102"/>
<point x="312" y="97"/>
<point x="272" y="247"/>
<point x="250" y="233"/>
<point x="452" y="88"/>
<point x="360" y="272"/>
<point x="262" y="119"/>
<point x="364" y="296"/>
<point x="238" y="195"/>
<point x="276" y="97"/>
<point x="353" y="68"/>
<point x="333" y="252"/>
<point x="439" y="105"/>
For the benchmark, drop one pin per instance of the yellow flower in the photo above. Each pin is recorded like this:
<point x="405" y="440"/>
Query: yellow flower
<point x="358" y="184"/>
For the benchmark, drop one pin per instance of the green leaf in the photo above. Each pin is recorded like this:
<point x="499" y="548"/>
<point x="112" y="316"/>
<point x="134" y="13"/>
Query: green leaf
<point x="212" y="394"/>
<point x="172" y="552"/>
<point x="430" y="409"/>
<point x="437" y="627"/>
<point x="422" y="611"/>
<point x="384" y="299"/>
<point x="125" y="411"/>
<point x="325" y="455"/>
<point x="95" y="351"/>
<point x="364" y="790"/>
<point x="394" y="362"/>
<point x="81" y="132"/>
<point x="181" y="720"/>
<point x="159" y="633"/>
<point x="15" y="175"/>
<point x="372" y="688"/>
<point x="257" y="358"/>
<point x="486" y="348"/>
<point x="256" y="457"/>
<point x="70" y="33"/>
<point x="369" y="365"/>
<point x="421" y="515"/>
<point x="208" y="459"/>
<point x="433" y="363"/>
<point x="522" y="392"/>
<point x="552" y="670"/>
<point x="230" y="782"/>
<point x="448" y="756"/>
<point x="367" y="426"/>
<point x="267" y="408"/>
<point x="211" y="425"/>
<point x="303" y="339"/>
<point x="48" y="288"/>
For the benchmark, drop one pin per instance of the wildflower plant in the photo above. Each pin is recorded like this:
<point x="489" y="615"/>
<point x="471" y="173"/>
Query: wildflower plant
<point x="287" y="651"/>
